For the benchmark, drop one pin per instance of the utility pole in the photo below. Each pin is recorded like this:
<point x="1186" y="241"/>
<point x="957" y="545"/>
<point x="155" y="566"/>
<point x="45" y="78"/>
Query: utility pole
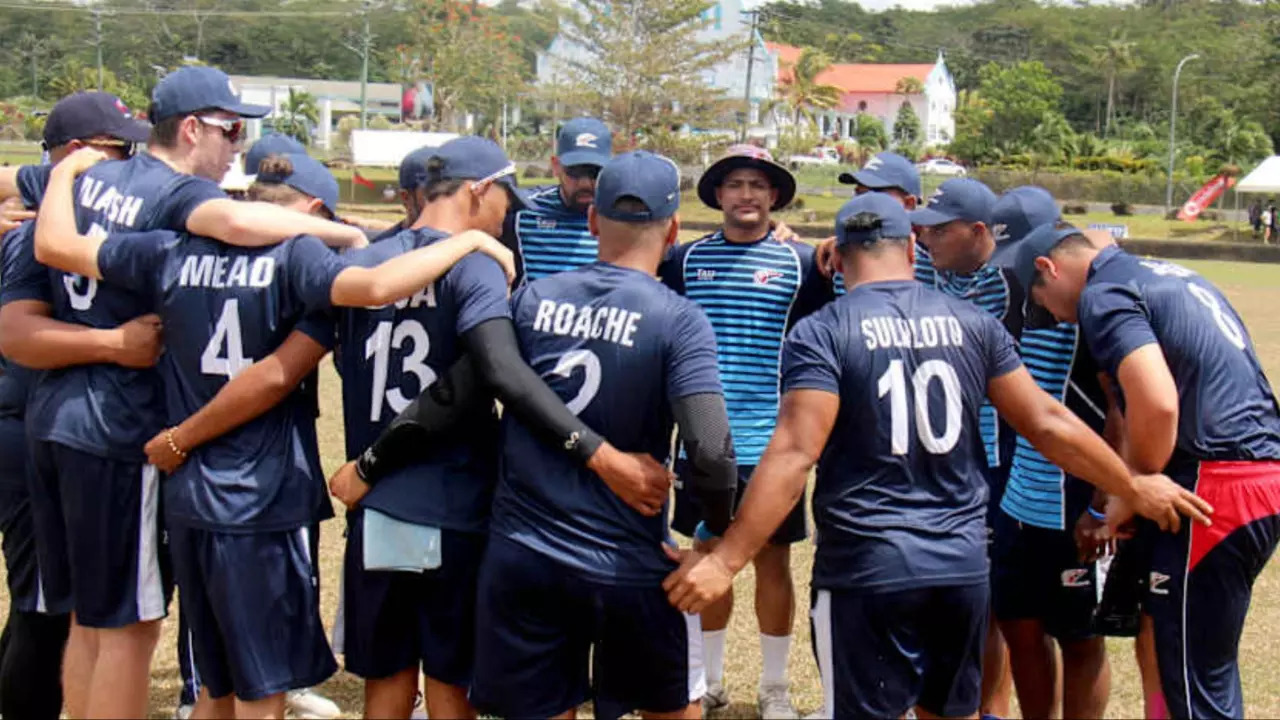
<point x="97" y="41"/>
<point x="365" y="42"/>
<point x="751" y="58"/>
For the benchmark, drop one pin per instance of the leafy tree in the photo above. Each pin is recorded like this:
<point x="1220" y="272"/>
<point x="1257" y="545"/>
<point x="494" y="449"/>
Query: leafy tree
<point x="1019" y="97"/>
<point x="298" y="114"/>
<point x="799" y="90"/>
<point x="870" y="133"/>
<point x="906" y="126"/>
<point x="1115" y="55"/>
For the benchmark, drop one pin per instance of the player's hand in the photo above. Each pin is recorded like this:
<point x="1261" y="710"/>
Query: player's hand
<point x="138" y="342"/>
<point x="13" y="213"/>
<point x="352" y="238"/>
<point x="1094" y="538"/>
<point x="347" y="486"/>
<point x="1163" y="501"/>
<point x="701" y="579"/>
<point x="160" y="453"/>
<point x="642" y="482"/>
<point x="826" y="256"/>
<point x="782" y="232"/>
<point x="81" y="160"/>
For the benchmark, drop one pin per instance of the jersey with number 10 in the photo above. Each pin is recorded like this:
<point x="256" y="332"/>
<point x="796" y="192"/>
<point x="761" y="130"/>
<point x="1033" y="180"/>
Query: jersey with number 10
<point x="901" y="492"/>
<point x="223" y="309"/>
<point x="391" y="354"/>
<point x="1226" y="409"/>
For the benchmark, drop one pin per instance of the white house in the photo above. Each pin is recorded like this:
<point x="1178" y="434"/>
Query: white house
<point x="333" y="98"/>
<point x="727" y="23"/>
<point x="871" y="89"/>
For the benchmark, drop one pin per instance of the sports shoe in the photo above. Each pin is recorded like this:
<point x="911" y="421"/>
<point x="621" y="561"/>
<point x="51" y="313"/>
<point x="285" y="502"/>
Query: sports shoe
<point x="183" y="712"/>
<point x="307" y="704"/>
<point x="775" y="703"/>
<point x="715" y="698"/>
<point x="419" y="707"/>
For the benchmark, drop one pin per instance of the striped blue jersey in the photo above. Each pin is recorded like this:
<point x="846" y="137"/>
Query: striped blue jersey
<point x="548" y="237"/>
<point x="752" y="293"/>
<point x="1038" y="492"/>
<point x="924" y="271"/>
<point x="994" y="290"/>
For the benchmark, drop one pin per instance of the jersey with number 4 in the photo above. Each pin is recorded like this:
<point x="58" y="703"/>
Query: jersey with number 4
<point x="224" y="308"/>
<point x="108" y="410"/>
<point x="901" y="492"/>
<point x="1226" y="409"/>
<point x="618" y="347"/>
<point x="389" y="355"/>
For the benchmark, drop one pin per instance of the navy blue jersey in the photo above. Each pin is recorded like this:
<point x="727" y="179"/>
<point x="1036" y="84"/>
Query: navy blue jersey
<point x="389" y="355"/>
<point x="32" y="180"/>
<point x="901" y="492"/>
<point x="1039" y="493"/>
<point x="107" y="410"/>
<point x="223" y="309"/>
<point x="618" y="348"/>
<point x="1226" y="409"/>
<point x="753" y="293"/>
<point x="549" y="237"/>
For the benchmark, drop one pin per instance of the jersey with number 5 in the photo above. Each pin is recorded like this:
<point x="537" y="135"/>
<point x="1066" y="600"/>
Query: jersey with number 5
<point x="391" y="354"/>
<point x="618" y="347"/>
<point x="901" y="492"/>
<point x="1226" y="409"/>
<point x="224" y="308"/>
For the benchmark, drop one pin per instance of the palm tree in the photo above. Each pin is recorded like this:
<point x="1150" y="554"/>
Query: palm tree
<point x="298" y="114"/>
<point x="800" y="90"/>
<point x="1113" y="56"/>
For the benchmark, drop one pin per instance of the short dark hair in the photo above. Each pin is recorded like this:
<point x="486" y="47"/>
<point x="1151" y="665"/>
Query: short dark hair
<point x="630" y="205"/>
<point x="164" y="134"/>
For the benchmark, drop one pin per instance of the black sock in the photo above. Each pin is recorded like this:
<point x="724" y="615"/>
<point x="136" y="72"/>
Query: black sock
<point x="31" y="665"/>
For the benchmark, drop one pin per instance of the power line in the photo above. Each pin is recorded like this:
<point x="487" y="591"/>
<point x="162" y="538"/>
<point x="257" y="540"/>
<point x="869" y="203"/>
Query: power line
<point x="60" y="7"/>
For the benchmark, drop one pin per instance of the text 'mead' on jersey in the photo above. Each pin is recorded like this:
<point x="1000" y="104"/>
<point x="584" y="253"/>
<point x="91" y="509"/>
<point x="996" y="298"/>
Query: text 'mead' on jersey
<point x="389" y="355"/>
<point x="901" y="491"/>
<point x="223" y="309"/>
<point x="1226" y="408"/>
<point x="618" y="347"/>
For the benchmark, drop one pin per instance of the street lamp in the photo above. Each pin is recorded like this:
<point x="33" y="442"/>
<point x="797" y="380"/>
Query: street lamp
<point x="1173" y="117"/>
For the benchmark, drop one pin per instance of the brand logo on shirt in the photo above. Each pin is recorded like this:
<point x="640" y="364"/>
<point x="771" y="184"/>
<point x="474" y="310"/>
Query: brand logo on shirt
<point x="546" y="224"/>
<point x="1076" y="577"/>
<point x="1155" y="584"/>
<point x="586" y="140"/>
<point x="706" y="274"/>
<point x="763" y="277"/>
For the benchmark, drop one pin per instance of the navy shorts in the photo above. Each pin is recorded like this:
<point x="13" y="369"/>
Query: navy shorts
<point x="882" y="653"/>
<point x="395" y="620"/>
<point x="1036" y="575"/>
<point x="19" y="541"/>
<point x="543" y="633"/>
<point x="99" y="543"/>
<point x="251" y="602"/>
<point x="688" y="511"/>
<point x="1201" y="583"/>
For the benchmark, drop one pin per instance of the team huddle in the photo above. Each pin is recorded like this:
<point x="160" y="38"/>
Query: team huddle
<point x="996" y="406"/>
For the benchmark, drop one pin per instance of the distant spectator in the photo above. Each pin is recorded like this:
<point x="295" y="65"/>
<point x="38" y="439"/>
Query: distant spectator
<point x="1268" y="223"/>
<point x="1255" y="216"/>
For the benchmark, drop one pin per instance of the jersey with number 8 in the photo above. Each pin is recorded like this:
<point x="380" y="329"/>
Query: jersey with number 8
<point x="1226" y="407"/>
<point x="901" y="491"/>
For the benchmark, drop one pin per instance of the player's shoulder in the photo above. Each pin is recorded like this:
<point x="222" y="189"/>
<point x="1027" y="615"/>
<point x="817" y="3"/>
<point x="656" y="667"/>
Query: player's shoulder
<point x="543" y="199"/>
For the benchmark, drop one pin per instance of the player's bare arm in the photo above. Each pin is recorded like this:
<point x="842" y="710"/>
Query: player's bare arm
<point x="9" y="181"/>
<point x="406" y="274"/>
<point x="31" y="337"/>
<point x="805" y="420"/>
<point x="1067" y="442"/>
<point x="58" y="243"/>
<point x="256" y="224"/>
<point x="1151" y="403"/>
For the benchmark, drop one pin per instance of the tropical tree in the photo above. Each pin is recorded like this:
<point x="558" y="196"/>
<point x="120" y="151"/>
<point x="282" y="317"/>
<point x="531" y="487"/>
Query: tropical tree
<point x="799" y="90"/>
<point x="1113" y="56"/>
<point x="906" y="126"/>
<point x="298" y="114"/>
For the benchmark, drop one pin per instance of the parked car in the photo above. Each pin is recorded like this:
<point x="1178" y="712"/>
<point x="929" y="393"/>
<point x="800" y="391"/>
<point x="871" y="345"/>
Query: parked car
<point x="940" y="166"/>
<point x="818" y="156"/>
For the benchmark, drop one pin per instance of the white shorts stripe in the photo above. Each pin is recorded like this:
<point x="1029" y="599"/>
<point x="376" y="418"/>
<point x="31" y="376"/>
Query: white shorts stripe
<point x="697" y="671"/>
<point x="820" y="617"/>
<point x="150" y="587"/>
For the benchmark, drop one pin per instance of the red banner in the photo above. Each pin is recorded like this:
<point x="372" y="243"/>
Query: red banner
<point x="1205" y="196"/>
<point x="359" y="179"/>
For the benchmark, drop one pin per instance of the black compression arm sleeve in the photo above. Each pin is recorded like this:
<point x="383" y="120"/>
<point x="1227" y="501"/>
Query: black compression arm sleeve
<point x="713" y="476"/>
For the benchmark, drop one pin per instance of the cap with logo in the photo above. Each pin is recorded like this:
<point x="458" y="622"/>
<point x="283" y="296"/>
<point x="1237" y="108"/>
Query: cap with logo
<point x="640" y="175"/>
<point x="957" y="199"/>
<point x="475" y="158"/>
<point x="84" y="115"/>
<point x="309" y="177"/>
<point x="584" y="141"/>
<point x="1037" y="244"/>
<point x="413" y="168"/>
<point x="884" y="171"/>
<point x="869" y="218"/>
<point x="193" y="88"/>
<point x="746" y="156"/>
<point x="270" y="144"/>
<point x="1018" y="212"/>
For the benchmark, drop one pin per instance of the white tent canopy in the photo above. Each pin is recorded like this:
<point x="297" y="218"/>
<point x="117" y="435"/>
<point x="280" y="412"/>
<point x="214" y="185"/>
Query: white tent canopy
<point x="1264" y="179"/>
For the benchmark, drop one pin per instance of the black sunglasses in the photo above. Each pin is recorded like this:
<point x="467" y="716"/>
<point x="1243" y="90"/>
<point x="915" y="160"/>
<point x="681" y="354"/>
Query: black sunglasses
<point x="583" y="172"/>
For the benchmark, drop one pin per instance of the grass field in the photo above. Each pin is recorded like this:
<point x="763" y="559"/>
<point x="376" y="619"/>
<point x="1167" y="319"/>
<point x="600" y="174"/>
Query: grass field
<point x="1251" y="288"/>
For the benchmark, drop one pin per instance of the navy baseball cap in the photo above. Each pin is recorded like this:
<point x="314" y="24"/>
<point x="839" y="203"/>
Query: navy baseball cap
<point x="198" y="87"/>
<point x="650" y="178"/>
<point x="309" y="177"/>
<point x="475" y="158"/>
<point x="413" y="168"/>
<point x="270" y="144"/>
<point x="957" y="199"/>
<point x="1037" y="244"/>
<point x="870" y="217"/>
<point x="584" y="141"/>
<point x="84" y="115"/>
<point x="1015" y="215"/>
<point x="884" y="171"/>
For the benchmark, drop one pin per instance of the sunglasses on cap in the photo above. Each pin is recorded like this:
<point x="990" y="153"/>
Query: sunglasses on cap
<point x="496" y="176"/>
<point x="583" y="172"/>
<point x="232" y="130"/>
